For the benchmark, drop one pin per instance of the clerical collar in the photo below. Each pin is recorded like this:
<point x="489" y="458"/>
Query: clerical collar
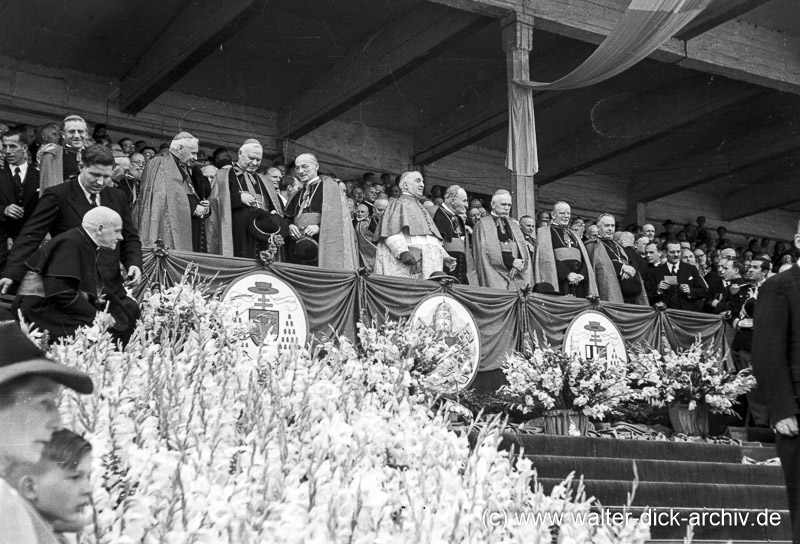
<point x="70" y="149"/>
<point x="313" y="181"/>
<point x="447" y="209"/>
<point x="88" y="236"/>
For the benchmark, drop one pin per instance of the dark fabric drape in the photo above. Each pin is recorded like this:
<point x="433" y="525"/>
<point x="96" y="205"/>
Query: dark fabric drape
<point x="335" y="301"/>
<point x="330" y="297"/>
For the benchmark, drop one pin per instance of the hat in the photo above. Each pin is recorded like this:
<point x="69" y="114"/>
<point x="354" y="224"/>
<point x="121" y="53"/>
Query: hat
<point x="667" y="222"/>
<point x="306" y="249"/>
<point x="439" y="275"/>
<point x="262" y="224"/>
<point x="20" y="357"/>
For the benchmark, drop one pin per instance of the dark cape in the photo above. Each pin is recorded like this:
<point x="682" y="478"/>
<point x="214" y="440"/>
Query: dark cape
<point x="549" y="269"/>
<point x="63" y="281"/>
<point x="607" y="266"/>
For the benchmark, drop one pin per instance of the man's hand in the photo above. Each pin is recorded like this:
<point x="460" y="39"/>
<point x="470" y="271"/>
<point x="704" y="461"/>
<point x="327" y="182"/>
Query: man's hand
<point x="13" y="211"/>
<point x="628" y="271"/>
<point x="787" y="427"/>
<point x="407" y="258"/>
<point x="685" y="288"/>
<point x="311" y="230"/>
<point x="248" y="199"/>
<point x="294" y="231"/>
<point x="201" y="210"/>
<point x="663" y="286"/>
<point x="5" y="285"/>
<point x="574" y="278"/>
<point x="450" y="263"/>
<point x="745" y="323"/>
<point x="518" y="265"/>
<point x="134" y="277"/>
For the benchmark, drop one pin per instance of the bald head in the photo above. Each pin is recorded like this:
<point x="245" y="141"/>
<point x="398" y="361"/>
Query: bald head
<point x="104" y="226"/>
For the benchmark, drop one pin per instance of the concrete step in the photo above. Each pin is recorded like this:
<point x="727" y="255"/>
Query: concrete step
<point x="604" y="468"/>
<point x="683" y="495"/>
<point x="622" y="449"/>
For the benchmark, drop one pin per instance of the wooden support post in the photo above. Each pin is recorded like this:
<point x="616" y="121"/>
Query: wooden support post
<point x="517" y="43"/>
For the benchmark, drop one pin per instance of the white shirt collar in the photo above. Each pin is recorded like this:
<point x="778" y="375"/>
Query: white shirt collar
<point x="88" y="194"/>
<point x="23" y="169"/>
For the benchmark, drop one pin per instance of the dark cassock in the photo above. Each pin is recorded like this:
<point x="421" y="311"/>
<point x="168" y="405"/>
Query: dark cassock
<point x="62" y="289"/>
<point x="202" y="191"/>
<point x="608" y="258"/>
<point x="558" y="253"/>
<point x="498" y="241"/>
<point x="240" y="181"/>
<point x="321" y="202"/>
<point x="456" y="243"/>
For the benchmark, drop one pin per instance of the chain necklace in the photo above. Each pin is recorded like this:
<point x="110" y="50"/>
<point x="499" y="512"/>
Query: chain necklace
<point x="568" y="242"/>
<point x="617" y="250"/>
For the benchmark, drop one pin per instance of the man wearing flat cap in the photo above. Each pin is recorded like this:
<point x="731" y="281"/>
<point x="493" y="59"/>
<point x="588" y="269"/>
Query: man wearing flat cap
<point x="29" y="384"/>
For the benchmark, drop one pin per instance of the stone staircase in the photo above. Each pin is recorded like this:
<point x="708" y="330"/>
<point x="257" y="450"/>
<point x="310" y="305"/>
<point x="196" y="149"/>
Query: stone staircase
<point x="678" y="482"/>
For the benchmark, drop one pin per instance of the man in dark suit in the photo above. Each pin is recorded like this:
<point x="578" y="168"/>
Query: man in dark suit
<point x="678" y="285"/>
<point x="776" y="362"/>
<point x="63" y="206"/>
<point x="19" y="190"/>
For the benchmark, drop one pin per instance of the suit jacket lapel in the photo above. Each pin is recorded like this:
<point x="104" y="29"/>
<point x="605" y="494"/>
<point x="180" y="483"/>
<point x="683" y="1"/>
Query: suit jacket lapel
<point x="7" y="185"/>
<point x="77" y="199"/>
<point x="30" y="186"/>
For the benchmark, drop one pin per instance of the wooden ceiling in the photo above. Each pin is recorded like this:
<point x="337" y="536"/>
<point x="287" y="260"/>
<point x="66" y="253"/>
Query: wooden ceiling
<point x="716" y="111"/>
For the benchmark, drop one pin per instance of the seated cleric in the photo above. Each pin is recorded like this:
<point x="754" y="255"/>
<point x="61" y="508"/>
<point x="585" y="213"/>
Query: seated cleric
<point x="63" y="289"/>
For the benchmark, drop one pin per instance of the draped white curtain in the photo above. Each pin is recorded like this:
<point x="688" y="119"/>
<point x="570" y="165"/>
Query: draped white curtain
<point x="643" y="28"/>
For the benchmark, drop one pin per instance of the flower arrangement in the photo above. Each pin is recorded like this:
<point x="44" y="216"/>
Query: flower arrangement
<point x="196" y="442"/>
<point x="694" y="376"/>
<point x="434" y="366"/>
<point x="557" y="380"/>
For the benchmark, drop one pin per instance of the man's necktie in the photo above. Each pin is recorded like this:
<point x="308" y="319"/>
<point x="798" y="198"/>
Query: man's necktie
<point x="18" y="186"/>
<point x="93" y="200"/>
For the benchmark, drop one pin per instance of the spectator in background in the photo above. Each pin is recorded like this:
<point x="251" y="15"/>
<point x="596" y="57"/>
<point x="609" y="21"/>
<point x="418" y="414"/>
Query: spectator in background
<point x="700" y="261"/>
<point x="19" y="190"/>
<point x="127" y="146"/>
<point x="679" y="285"/>
<point x="578" y="226"/>
<point x="148" y="152"/>
<point x="60" y="162"/>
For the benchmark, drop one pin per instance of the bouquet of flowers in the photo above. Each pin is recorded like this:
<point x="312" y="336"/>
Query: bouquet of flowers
<point x="435" y="367"/>
<point x="692" y="376"/>
<point x="558" y="380"/>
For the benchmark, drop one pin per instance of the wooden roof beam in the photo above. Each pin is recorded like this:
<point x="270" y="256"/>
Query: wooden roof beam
<point x="719" y="12"/>
<point x="763" y="141"/>
<point x="587" y="147"/>
<point x="377" y="62"/>
<point x="772" y="192"/>
<point x="199" y="29"/>
<point x="735" y="49"/>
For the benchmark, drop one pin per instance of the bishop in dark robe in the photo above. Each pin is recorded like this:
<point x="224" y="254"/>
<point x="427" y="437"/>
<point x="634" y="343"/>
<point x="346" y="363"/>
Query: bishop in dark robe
<point x="561" y="259"/>
<point x="448" y="219"/>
